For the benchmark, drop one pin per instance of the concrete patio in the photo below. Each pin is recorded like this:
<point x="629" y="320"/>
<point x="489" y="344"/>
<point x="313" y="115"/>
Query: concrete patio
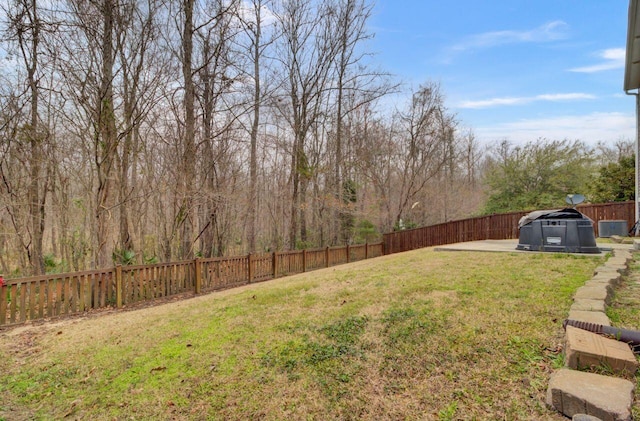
<point x="510" y="246"/>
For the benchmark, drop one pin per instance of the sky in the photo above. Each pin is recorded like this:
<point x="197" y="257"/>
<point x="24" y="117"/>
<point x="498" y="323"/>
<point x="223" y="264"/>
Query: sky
<point x="519" y="70"/>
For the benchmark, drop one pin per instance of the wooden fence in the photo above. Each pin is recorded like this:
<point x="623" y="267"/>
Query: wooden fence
<point x="47" y="296"/>
<point x="54" y="295"/>
<point x="493" y="227"/>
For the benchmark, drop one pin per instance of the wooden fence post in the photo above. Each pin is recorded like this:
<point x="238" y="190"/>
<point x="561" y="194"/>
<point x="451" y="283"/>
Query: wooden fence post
<point x="274" y="263"/>
<point x="119" y="286"/>
<point x="326" y="257"/>
<point x="4" y="289"/>
<point x="304" y="260"/>
<point x="198" y="273"/>
<point x="366" y="250"/>
<point x="249" y="269"/>
<point x="348" y="251"/>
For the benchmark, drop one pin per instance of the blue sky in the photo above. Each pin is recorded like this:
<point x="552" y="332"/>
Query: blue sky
<point x="515" y="69"/>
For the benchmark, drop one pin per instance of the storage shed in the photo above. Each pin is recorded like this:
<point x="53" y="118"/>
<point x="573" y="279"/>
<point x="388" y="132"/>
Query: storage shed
<point x="564" y="230"/>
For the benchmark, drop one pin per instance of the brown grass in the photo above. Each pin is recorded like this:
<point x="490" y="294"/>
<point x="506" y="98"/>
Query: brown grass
<point x="624" y="312"/>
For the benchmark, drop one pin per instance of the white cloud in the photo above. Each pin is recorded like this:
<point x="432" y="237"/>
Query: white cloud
<point x="495" y="102"/>
<point x="589" y="128"/>
<point x="612" y="58"/>
<point x="247" y="12"/>
<point x="548" y="32"/>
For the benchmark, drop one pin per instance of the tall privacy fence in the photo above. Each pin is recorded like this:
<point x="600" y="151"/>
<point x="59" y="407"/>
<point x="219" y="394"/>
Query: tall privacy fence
<point x="52" y="295"/>
<point x="493" y="227"/>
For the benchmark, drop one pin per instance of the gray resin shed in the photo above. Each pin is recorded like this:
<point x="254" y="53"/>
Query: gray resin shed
<point x="564" y="230"/>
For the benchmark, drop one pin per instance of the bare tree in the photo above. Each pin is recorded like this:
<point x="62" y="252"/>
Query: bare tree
<point x="24" y="30"/>
<point x="105" y="138"/>
<point x="183" y="129"/>
<point x="607" y="153"/>
<point x="356" y="85"/>
<point x="307" y="50"/>
<point x="216" y="94"/>
<point x="258" y="38"/>
<point x="110" y="85"/>
<point x="136" y="37"/>
<point x="186" y="216"/>
<point x="424" y="132"/>
<point x="87" y="57"/>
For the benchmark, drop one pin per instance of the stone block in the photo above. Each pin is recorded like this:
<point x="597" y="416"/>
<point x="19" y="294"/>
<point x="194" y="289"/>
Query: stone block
<point x="616" y="260"/>
<point x="608" y="269"/>
<point x="598" y="280"/>
<point x="574" y="392"/>
<point x="596" y="317"/>
<point x="583" y="304"/>
<point x="617" y="264"/>
<point x="589" y="350"/>
<point x="608" y="272"/>
<point x="602" y="292"/>
<point x="584" y="417"/>
<point x="625" y="254"/>
<point x="612" y="277"/>
<point x="618" y="268"/>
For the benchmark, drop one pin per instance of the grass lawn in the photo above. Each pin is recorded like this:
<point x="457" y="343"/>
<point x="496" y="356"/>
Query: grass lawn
<point x="417" y="335"/>
<point x="624" y="312"/>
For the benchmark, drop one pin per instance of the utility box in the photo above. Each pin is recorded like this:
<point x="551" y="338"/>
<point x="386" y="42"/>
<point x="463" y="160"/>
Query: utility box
<point x="565" y="230"/>
<point x="608" y="228"/>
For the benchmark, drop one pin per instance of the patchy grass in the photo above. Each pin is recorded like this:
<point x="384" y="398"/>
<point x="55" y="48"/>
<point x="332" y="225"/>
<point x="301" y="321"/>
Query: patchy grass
<point x="624" y="312"/>
<point x="418" y="335"/>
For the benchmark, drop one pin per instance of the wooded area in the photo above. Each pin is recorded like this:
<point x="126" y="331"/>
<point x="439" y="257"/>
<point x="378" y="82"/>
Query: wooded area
<point x="136" y="132"/>
<point x="141" y="131"/>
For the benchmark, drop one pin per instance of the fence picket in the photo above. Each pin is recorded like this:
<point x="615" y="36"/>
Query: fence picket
<point x="32" y="300"/>
<point x="14" y="303"/>
<point x="22" y="311"/>
<point x="41" y="297"/>
<point x="65" y="296"/>
<point x="3" y="304"/>
<point x="54" y="295"/>
<point x="49" y="311"/>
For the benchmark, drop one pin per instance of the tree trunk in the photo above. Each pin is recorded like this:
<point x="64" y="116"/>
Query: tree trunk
<point x="37" y="198"/>
<point x="106" y="143"/>
<point x="186" y="214"/>
<point x="255" y="124"/>
<point x="295" y="199"/>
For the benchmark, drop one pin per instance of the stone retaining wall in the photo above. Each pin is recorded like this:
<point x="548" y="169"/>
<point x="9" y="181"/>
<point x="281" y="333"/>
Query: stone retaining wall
<point x="578" y="390"/>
